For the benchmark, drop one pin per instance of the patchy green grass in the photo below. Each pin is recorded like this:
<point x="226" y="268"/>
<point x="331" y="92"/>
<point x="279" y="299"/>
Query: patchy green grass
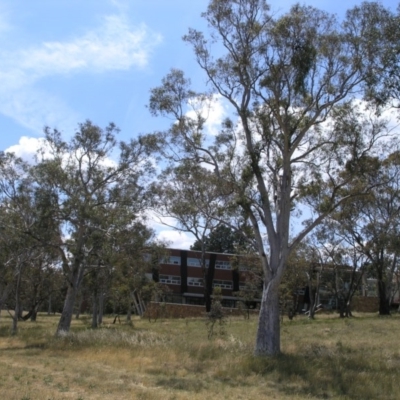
<point x="327" y="358"/>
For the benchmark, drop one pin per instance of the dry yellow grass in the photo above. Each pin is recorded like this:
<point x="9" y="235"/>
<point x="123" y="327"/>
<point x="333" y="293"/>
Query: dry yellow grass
<point x="173" y="359"/>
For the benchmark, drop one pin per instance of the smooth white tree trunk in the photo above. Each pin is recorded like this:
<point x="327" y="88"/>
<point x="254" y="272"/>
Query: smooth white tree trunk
<point x="72" y="292"/>
<point x="68" y="309"/>
<point x="268" y="332"/>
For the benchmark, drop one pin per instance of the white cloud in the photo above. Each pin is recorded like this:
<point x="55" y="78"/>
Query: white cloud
<point x="121" y="5"/>
<point x="164" y="228"/>
<point x="176" y="239"/>
<point x="158" y="222"/>
<point x="391" y="115"/>
<point x="214" y="111"/>
<point x="114" y="45"/>
<point x="35" y="109"/>
<point x="217" y="113"/>
<point x="26" y="148"/>
<point x="5" y="26"/>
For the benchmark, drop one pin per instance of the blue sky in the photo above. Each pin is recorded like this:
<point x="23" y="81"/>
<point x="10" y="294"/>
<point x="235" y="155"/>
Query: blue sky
<point x="65" y="61"/>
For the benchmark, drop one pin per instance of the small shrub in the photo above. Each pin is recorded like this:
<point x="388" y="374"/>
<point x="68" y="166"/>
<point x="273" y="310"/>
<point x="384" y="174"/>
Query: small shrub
<point x="216" y="315"/>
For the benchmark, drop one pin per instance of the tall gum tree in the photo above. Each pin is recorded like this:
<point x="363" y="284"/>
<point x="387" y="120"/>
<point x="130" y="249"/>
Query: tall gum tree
<point x="292" y="82"/>
<point x="21" y="255"/>
<point x="89" y="190"/>
<point x="12" y="183"/>
<point x="373" y="223"/>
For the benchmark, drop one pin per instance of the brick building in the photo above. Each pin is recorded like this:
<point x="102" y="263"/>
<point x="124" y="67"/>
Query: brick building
<point x="182" y="273"/>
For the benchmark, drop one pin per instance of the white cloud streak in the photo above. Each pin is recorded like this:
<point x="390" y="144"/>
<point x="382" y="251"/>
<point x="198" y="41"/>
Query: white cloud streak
<point x="114" y="45"/>
<point x="175" y="239"/>
<point x="33" y="109"/>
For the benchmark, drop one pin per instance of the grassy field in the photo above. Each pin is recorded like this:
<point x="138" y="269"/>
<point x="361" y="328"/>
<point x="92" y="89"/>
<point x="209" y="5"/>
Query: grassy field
<point x="327" y="358"/>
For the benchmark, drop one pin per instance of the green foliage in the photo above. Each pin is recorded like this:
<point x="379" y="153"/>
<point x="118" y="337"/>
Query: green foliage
<point x="301" y="136"/>
<point x="222" y="239"/>
<point x="372" y="223"/>
<point x="216" y="315"/>
<point x="74" y="208"/>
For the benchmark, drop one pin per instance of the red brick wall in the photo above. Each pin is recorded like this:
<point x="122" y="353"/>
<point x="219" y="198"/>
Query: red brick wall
<point x="172" y="310"/>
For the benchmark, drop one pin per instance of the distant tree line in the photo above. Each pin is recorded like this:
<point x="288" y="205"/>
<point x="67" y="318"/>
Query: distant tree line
<point x="72" y="226"/>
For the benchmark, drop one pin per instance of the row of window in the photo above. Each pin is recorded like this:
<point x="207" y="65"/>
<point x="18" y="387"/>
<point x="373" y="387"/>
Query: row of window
<point x="170" y="279"/>
<point x="196" y="262"/>
<point x="222" y="284"/>
<point x="176" y="280"/>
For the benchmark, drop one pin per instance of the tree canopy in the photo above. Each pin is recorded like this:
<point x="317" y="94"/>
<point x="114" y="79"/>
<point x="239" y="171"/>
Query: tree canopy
<point x="222" y="239"/>
<point x="299" y="132"/>
<point x="81" y="203"/>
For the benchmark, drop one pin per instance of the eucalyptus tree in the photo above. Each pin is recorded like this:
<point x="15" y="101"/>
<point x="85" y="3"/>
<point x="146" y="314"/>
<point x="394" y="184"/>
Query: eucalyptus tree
<point x="6" y="271"/>
<point x="27" y="265"/>
<point x="130" y="263"/>
<point x="292" y="81"/>
<point x="12" y="171"/>
<point x="42" y="277"/>
<point x="373" y="223"/>
<point x="338" y="263"/>
<point x="87" y="188"/>
<point x="97" y="274"/>
<point x="224" y="239"/>
<point x="187" y="194"/>
<point x="17" y="253"/>
<point x="40" y="280"/>
<point x="18" y="215"/>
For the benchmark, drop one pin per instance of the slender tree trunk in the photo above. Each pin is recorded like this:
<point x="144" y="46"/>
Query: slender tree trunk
<point x="32" y="312"/>
<point x="17" y="311"/>
<point x="4" y="295"/>
<point x="14" y="328"/>
<point x="68" y="309"/>
<point x="207" y="297"/>
<point x="138" y="310"/>
<point x="311" y="309"/>
<point x="268" y="332"/>
<point x="80" y="302"/>
<point x="384" y="300"/>
<point x="114" y="306"/>
<point x="34" y="315"/>
<point x="94" y="309"/>
<point x="20" y="311"/>
<point x="129" y="311"/>
<point x="64" y="324"/>
<point x="101" y="307"/>
<point x="397" y="290"/>
<point x="143" y="305"/>
<point x="348" y="308"/>
<point x="341" y="306"/>
<point x="208" y="281"/>
<point x="49" y="307"/>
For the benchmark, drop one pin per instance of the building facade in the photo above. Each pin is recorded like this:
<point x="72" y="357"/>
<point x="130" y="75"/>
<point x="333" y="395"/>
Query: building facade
<point x="182" y="272"/>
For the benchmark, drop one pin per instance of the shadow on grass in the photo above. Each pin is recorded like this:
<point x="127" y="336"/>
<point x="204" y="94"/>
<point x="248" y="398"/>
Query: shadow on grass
<point x="5" y="331"/>
<point x="325" y="373"/>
